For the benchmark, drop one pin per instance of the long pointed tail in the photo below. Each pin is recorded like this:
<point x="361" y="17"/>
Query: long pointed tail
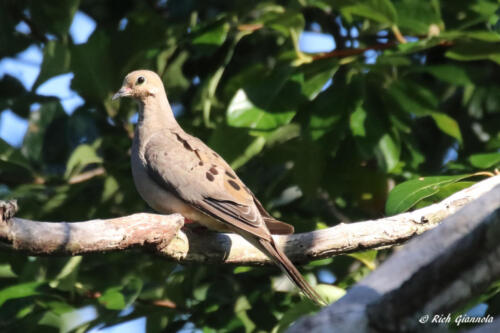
<point x="271" y="250"/>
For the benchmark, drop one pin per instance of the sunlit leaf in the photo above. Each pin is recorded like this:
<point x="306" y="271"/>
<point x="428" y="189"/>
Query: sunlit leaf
<point x="366" y="257"/>
<point x="82" y="156"/>
<point x="242" y="112"/>
<point x="19" y="291"/>
<point x="448" y="125"/>
<point x="330" y="293"/>
<point x="485" y="161"/>
<point x="405" y="195"/>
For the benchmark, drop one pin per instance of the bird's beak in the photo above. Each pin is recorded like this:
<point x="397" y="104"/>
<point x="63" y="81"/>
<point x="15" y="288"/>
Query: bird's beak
<point x="123" y="92"/>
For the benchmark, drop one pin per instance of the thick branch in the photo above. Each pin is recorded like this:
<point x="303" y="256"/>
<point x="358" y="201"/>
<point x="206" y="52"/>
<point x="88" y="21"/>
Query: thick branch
<point x="49" y="238"/>
<point x="161" y="233"/>
<point x="434" y="274"/>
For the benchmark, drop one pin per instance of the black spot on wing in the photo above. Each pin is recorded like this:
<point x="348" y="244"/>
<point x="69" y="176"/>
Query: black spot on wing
<point x="230" y="175"/>
<point x="234" y="184"/>
<point x="209" y="176"/>
<point x="184" y="142"/>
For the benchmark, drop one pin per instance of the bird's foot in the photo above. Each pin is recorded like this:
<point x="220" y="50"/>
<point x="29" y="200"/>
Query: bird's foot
<point x="194" y="228"/>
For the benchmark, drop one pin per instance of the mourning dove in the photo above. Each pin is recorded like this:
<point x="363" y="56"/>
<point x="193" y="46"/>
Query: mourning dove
<point x="175" y="172"/>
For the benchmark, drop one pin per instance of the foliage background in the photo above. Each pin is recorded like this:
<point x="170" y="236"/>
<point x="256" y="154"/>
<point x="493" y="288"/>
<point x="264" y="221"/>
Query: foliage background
<point x="319" y="138"/>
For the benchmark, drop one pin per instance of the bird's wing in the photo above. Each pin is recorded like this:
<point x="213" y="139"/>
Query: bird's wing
<point x="188" y="168"/>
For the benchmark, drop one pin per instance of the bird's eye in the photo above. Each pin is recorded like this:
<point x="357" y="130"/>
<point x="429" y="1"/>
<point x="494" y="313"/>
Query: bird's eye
<point x="140" y="80"/>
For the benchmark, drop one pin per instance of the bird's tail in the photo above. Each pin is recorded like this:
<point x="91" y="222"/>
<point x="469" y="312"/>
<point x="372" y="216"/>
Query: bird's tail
<point x="271" y="250"/>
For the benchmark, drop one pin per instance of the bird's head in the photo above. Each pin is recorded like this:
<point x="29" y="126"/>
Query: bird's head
<point x="140" y="85"/>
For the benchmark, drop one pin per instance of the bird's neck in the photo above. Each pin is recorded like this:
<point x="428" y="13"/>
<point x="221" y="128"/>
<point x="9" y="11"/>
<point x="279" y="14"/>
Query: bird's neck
<point x="155" y="114"/>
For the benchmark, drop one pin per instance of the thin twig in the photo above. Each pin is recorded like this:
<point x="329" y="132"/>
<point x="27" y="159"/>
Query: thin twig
<point x="84" y="176"/>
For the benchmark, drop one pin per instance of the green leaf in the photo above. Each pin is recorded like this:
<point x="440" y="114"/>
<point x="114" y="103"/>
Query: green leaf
<point x="388" y="152"/>
<point x="14" y="167"/>
<point x="12" y="41"/>
<point x="50" y="319"/>
<point x="20" y="291"/>
<point x="444" y="193"/>
<point x="266" y="103"/>
<point x="207" y="39"/>
<point x="416" y="16"/>
<point x="467" y="36"/>
<point x="485" y="161"/>
<point x="66" y="278"/>
<point x="327" y="117"/>
<point x="56" y="60"/>
<point x="316" y="75"/>
<point x="113" y="299"/>
<point x="406" y="195"/>
<point x="53" y="15"/>
<point x="414" y="98"/>
<point x="330" y="293"/>
<point x="241" y="307"/>
<point x="293" y="313"/>
<point x="46" y="139"/>
<point x="82" y="156"/>
<point x="200" y="292"/>
<point x="6" y="271"/>
<point x="381" y="11"/>
<point x="10" y="89"/>
<point x="174" y="70"/>
<point x="449" y="73"/>
<point x="368" y="258"/>
<point x="374" y="138"/>
<point x="253" y="149"/>
<point x="285" y="21"/>
<point x="91" y="62"/>
<point x="241" y="112"/>
<point x="420" y="45"/>
<point x="447" y="125"/>
<point x="309" y="165"/>
<point x="110" y="190"/>
<point x="242" y="269"/>
<point x="14" y="96"/>
<point x="475" y="50"/>
<point x="214" y="35"/>
<point x="119" y="298"/>
<point x="420" y="101"/>
<point x="485" y="36"/>
<point x="357" y="122"/>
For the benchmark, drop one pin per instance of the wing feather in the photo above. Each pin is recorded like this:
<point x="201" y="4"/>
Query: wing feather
<point x="188" y="168"/>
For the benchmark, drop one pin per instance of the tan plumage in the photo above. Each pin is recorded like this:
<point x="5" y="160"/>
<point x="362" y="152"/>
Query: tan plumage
<point x="176" y="172"/>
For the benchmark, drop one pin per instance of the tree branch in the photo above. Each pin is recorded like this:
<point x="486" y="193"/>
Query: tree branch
<point x="434" y="274"/>
<point x="162" y="234"/>
<point x="49" y="238"/>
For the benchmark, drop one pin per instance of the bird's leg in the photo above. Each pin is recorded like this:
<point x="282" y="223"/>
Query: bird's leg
<point x="193" y="226"/>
